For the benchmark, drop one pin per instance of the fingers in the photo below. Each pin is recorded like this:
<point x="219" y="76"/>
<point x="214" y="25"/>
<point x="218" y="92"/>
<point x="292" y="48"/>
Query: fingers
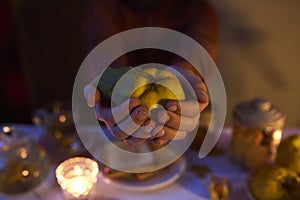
<point x="185" y="108"/>
<point x="159" y="142"/>
<point x="142" y="134"/>
<point x="124" y="110"/>
<point x="135" y="140"/>
<point x="196" y="83"/>
<point x="131" y="124"/>
<point x="167" y="133"/>
<point x="163" y="134"/>
<point x="116" y="114"/>
<point x="91" y="94"/>
<point x="179" y="122"/>
<point x="145" y="131"/>
<point x="200" y="89"/>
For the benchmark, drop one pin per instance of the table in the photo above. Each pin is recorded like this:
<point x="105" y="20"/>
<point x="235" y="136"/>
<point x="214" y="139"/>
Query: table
<point x="188" y="186"/>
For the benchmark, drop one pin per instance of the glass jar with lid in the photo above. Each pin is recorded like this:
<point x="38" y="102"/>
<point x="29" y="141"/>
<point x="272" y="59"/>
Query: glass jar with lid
<point x="23" y="163"/>
<point x="257" y="131"/>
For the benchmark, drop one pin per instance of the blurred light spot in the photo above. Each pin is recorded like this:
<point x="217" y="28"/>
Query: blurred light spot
<point x="25" y="173"/>
<point x="6" y="129"/>
<point x="23" y="153"/>
<point x="62" y="118"/>
<point x="36" y="174"/>
<point x="57" y="134"/>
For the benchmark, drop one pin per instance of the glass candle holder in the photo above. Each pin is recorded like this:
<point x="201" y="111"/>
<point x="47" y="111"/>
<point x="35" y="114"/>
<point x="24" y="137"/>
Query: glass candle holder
<point x="77" y="176"/>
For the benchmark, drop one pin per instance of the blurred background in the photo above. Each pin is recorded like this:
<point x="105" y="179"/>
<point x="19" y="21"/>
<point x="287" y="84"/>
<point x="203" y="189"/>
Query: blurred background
<point x="42" y="46"/>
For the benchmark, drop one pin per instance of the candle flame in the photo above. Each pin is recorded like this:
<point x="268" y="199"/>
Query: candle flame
<point x="77" y="176"/>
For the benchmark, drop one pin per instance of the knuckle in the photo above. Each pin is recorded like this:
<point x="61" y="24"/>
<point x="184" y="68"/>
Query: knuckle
<point x="140" y="115"/>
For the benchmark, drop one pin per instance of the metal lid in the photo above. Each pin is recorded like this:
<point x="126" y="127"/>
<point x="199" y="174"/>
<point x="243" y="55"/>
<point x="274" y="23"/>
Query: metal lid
<point x="259" y="113"/>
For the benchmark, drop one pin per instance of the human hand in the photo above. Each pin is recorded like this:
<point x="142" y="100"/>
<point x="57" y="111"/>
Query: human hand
<point x="130" y="123"/>
<point x="180" y="117"/>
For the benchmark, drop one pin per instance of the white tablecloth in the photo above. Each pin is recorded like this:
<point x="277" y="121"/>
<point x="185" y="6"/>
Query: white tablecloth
<point x="188" y="187"/>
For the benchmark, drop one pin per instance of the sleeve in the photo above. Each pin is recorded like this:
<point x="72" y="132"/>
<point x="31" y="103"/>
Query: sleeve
<point x="202" y="26"/>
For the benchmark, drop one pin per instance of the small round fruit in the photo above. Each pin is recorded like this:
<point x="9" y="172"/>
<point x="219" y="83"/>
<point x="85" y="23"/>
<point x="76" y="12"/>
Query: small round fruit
<point x="294" y="164"/>
<point x="271" y="182"/>
<point x="288" y="150"/>
<point x="154" y="94"/>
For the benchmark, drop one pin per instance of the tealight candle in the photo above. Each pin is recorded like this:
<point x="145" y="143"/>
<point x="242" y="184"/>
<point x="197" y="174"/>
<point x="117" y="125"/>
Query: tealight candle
<point x="77" y="176"/>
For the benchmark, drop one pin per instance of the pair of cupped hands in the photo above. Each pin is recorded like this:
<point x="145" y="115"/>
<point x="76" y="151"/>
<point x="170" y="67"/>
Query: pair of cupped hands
<point x="174" y="121"/>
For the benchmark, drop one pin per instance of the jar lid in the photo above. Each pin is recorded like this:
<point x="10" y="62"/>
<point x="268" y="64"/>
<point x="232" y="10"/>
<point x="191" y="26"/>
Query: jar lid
<point x="259" y="113"/>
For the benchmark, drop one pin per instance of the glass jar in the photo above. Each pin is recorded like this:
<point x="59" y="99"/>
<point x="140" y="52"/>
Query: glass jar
<point x="56" y="117"/>
<point x="57" y="120"/>
<point x="23" y="163"/>
<point x="257" y="131"/>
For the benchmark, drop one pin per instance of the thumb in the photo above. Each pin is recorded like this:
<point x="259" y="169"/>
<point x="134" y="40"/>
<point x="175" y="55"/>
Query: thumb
<point x="91" y="94"/>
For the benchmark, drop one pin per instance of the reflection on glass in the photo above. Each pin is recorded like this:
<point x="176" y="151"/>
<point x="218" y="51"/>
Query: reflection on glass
<point x="23" y="163"/>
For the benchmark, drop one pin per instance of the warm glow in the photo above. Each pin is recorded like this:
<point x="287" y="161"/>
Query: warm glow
<point x="78" y="170"/>
<point x="5" y="148"/>
<point x="25" y="173"/>
<point x="37" y="120"/>
<point x="57" y="134"/>
<point x="106" y="180"/>
<point x="277" y="135"/>
<point x="6" y="129"/>
<point x="62" y="118"/>
<point x="77" y="175"/>
<point x="23" y="153"/>
<point x="79" y="186"/>
<point x="36" y="174"/>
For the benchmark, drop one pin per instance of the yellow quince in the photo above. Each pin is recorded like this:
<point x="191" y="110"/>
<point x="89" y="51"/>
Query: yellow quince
<point x="275" y="182"/>
<point x="157" y="86"/>
<point x="151" y="85"/>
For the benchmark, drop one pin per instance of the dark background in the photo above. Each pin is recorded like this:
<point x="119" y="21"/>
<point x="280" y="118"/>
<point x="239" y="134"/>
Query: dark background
<point x="42" y="46"/>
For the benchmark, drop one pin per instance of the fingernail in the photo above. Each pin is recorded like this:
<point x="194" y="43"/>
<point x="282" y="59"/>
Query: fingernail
<point x="173" y="108"/>
<point x="142" y="115"/>
<point x="162" y="116"/>
<point x="91" y="100"/>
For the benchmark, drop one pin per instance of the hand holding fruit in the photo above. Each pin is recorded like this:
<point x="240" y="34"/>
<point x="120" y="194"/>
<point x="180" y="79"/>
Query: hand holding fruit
<point x="104" y="113"/>
<point x="185" y="112"/>
<point x="152" y="87"/>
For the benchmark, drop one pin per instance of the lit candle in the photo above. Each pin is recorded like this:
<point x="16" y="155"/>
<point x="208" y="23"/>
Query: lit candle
<point x="77" y="176"/>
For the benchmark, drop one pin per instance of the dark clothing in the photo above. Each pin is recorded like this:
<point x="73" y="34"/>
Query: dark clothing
<point x="195" y="18"/>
